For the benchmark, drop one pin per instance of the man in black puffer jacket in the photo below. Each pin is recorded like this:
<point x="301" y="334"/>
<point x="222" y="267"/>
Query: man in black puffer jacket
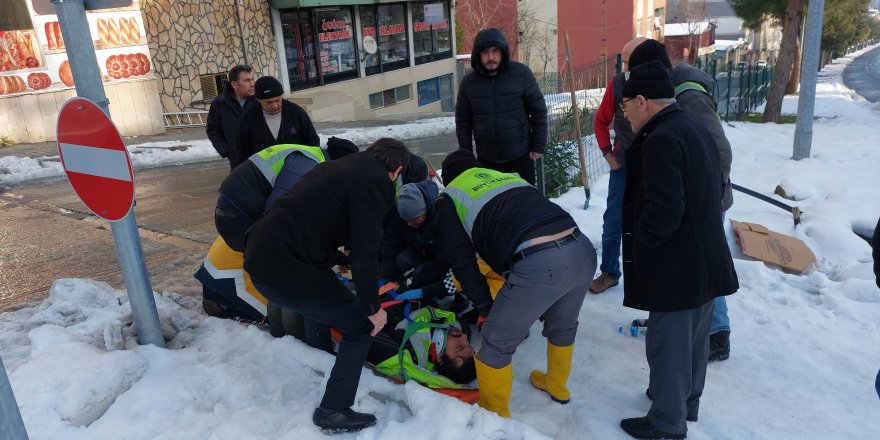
<point x="226" y="110"/>
<point x="501" y="109"/>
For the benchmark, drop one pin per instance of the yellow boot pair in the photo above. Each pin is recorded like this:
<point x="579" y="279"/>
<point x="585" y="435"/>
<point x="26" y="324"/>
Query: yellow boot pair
<point x="558" y="369"/>
<point x="495" y="385"/>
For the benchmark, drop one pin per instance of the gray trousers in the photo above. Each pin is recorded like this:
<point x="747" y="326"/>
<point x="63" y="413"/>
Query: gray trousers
<point x="551" y="283"/>
<point x="677" y="347"/>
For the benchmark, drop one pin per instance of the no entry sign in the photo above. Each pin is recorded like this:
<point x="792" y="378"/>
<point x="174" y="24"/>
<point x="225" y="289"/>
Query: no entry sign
<point x="95" y="159"/>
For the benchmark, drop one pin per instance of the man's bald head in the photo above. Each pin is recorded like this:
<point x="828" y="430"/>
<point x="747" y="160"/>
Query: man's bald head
<point x="628" y="49"/>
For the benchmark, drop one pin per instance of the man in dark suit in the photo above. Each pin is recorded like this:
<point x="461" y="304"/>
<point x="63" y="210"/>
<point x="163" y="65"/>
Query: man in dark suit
<point x="675" y="255"/>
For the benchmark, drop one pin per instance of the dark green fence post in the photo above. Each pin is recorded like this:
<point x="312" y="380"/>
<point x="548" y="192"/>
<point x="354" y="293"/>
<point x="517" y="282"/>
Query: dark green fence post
<point x="729" y="80"/>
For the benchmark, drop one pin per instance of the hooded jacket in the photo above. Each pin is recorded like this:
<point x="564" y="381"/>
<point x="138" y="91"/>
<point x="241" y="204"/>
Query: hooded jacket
<point x="675" y="254"/>
<point x="504" y="115"/>
<point x="701" y="108"/>
<point x="223" y="118"/>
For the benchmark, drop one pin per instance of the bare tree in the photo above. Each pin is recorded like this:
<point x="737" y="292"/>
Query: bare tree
<point x="694" y="14"/>
<point x="537" y="43"/>
<point x="475" y="15"/>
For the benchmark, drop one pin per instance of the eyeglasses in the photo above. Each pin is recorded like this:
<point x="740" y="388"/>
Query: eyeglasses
<point x="623" y="102"/>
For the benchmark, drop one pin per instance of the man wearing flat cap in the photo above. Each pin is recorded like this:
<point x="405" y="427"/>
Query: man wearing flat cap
<point x="675" y="255"/>
<point x="275" y="121"/>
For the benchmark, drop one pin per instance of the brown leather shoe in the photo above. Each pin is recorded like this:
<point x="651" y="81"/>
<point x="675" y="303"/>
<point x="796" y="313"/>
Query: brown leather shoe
<point x="602" y="283"/>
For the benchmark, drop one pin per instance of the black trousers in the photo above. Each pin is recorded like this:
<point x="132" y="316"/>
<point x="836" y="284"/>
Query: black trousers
<point x="524" y="166"/>
<point x="356" y="340"/>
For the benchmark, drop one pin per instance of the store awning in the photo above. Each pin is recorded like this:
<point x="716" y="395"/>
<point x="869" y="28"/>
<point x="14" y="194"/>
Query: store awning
<point x="285" y="4"/>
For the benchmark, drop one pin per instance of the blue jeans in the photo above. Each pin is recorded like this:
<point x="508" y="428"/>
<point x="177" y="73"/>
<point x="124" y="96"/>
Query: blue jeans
<point x="612" y="224"/>
<point x="720" y="320"/>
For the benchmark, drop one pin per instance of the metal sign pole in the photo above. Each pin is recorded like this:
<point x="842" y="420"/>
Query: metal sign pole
<point x="87" y="76"/>
<point x="803" y="132"/>
<point x="12" y="427"/>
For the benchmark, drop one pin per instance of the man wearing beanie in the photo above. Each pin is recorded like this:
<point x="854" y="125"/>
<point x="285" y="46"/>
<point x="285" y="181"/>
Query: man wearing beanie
<point x="410" y="254"/>
<point x="693" y="93"/>
<point x="547" y="262"/>
<point x="675" y="255"/>
<point x="501" y="109"/>
<point x="275" y="121"/>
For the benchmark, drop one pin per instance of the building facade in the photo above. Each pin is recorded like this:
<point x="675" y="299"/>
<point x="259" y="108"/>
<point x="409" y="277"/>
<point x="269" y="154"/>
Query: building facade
<point x="685" y="42"/>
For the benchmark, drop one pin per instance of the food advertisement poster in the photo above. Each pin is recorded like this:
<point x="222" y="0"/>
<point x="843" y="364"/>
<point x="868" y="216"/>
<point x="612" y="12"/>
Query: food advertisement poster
<point x="35" y="60"/>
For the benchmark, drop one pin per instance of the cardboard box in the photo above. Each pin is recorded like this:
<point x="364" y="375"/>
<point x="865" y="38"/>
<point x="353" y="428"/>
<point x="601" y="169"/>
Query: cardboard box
<point x="772" y="247"/>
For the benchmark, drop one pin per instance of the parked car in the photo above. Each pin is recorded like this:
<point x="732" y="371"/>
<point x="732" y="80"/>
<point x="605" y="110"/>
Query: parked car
<point x="761" y="63"/>
<point x="741" y="65"/>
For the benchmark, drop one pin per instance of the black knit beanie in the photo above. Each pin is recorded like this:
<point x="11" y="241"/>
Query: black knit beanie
<point x="456" y="163"/>
<point x="649" y="80"/>
<point x="338" y="148"/>
<point x="649" y="50"/>
<point x="267" y="87"/>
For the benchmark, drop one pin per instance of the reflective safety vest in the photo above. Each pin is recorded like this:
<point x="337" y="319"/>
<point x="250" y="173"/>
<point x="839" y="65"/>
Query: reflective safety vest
<point x="690" y="85"/>
<point x="270" y="160"/>
<point x="224" y="263"/>
<point x="475" y="188"/>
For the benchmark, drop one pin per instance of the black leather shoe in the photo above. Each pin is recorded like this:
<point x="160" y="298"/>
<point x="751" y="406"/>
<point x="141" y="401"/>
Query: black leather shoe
<point x="346" y="420"/>
<point x="692" y="413"/>
<point x="642" y="428"/>
<point x="719" y="346"/>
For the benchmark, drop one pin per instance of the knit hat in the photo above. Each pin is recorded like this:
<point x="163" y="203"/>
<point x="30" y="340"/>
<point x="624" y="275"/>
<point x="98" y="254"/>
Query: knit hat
<point x="267" y="87"/>
<point x="338" y="148"/>
<point x="456" y="163"/>
<point x="649" y="50"/>
<point x="410" y="202"/>
<point x="649" y="80"/>
<point x="416" y="170"/>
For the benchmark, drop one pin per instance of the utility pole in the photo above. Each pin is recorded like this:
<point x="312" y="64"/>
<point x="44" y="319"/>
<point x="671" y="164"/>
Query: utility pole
<point x="604" y="45"/>
<point x="803" y="132"/>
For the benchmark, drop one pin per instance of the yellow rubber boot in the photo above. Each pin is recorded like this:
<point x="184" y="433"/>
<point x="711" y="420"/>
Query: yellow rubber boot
<point x="495" y="385"/>
<point x="558" y="369"/>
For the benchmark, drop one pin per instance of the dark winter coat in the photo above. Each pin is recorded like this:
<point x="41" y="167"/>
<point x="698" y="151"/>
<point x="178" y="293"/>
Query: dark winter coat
<point x="508" y="220"/>
<point x="701" y="108"/>
<point x="875" y="243"/>
<point x="675" y="254"/>
<point x="254" y="135"/>
<point x="223" y="118"/>
<point x="245" y="194"/>
<point x="422" y="241"/>
<point x="505" y="114"/>
<point x="341" y="202"/>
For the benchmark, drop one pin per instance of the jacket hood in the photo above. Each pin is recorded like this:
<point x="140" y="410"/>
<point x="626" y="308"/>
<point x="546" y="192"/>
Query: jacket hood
<point x="430" y="191"/>
<point x="686" y="72"/>
<point x="456" y="163"/>
<point x="228" y="92"/>
<point x="485" y="39"/>
<point x="416" y="170"/>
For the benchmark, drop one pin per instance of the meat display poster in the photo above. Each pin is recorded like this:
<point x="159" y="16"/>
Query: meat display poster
<point x="35" y="60"/>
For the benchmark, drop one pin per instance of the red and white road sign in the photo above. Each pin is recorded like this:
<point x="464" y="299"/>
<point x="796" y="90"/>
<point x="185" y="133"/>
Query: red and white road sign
<point x="95" y="159"/>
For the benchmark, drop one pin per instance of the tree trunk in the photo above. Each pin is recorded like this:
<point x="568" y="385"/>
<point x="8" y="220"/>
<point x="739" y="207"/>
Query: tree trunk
<point x="795" y="80"/>
<point x="790" y="28"/>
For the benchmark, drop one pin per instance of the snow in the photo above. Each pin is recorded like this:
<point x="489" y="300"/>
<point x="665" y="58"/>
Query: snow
<point x="14" y="169"/>
<point x="803" y="359"/>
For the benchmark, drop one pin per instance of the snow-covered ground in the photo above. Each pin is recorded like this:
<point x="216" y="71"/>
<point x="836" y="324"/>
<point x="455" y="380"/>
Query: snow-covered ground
<point x="16" y="169"/>
<point x="803" y="359"/>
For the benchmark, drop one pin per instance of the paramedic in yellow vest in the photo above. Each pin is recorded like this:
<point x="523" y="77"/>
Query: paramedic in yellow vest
<point x="547" y="265"/>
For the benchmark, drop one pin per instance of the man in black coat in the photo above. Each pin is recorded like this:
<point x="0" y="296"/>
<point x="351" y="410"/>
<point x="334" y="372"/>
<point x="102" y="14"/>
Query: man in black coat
<point x="292" y="248"/>
<point x="275" y="121"/>
<point x="226" y="110"/>
<point x="675" y="255"/>
<point x="501" y="109"/>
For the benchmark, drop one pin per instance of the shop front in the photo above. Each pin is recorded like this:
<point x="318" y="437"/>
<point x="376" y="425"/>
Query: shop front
<point x="348" y="60"/>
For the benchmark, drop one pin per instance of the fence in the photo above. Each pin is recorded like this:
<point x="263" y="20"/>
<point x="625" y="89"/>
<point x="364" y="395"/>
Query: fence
<point x="737" y="89"/>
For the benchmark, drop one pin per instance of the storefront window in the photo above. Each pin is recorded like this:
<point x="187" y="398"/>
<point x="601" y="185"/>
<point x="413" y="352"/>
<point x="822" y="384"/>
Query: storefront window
<point x="299" y="49"/>
<point x="432" y="37"/>
<point x="386" y="26"/>
<point x="337" y="56"/>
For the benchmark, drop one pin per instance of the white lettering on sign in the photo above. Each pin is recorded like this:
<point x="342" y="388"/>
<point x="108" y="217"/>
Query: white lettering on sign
<point x="101" y="162"/>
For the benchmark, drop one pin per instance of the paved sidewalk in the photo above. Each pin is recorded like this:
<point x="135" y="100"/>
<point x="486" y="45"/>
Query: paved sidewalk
<point x="44" y="149"/>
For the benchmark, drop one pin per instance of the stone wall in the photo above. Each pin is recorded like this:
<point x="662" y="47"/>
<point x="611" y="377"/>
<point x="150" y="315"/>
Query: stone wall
<point x="189" y="38"/>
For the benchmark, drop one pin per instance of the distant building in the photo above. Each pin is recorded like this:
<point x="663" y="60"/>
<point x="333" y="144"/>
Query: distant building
<point x="685" y="42"/>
